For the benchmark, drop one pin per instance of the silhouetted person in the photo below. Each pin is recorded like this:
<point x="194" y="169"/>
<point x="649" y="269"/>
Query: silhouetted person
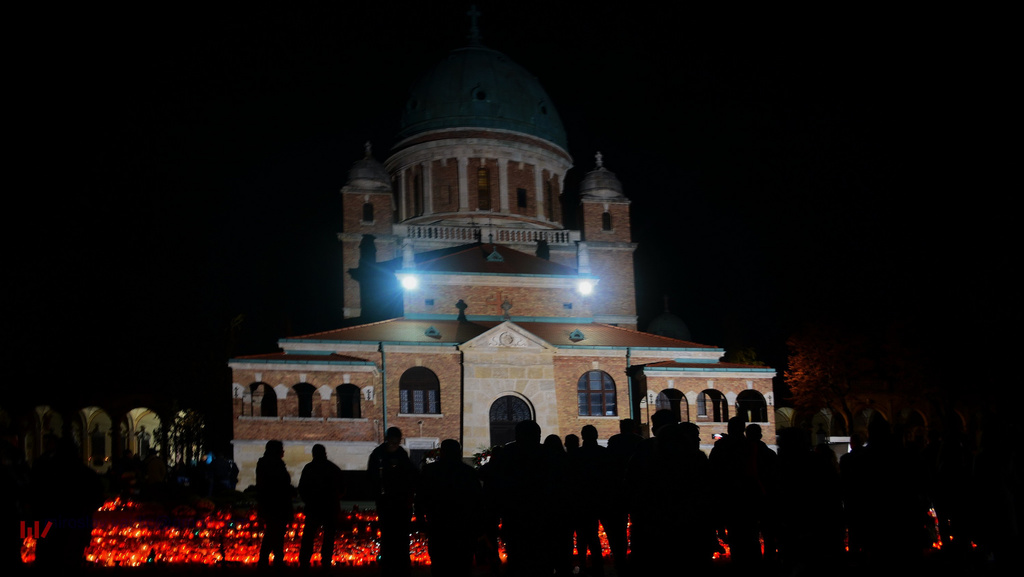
<point x="154" y="475"/>
<point x="893" y="499"/>
<point x="273" y="502"/>
<point x="449" y="499"/>
<point x="734" y="467"/>
<point x="224" y="473"/>
<point x="572" y="444"/>
<point x="997" y="495"/>
<point x="320" y="488"/>
<point x="697" y="539"/>
<point x="521" y="473"/>
<point x="621" y="448"/>
<point x="951" y="491"/>
<point x="488" y="553"/>
<point x="590" y="469"/>
<point x="67" y="493"/>
<point x="811" y="530"/>
<point x="14" y="490"/>
<point x="558" y="512"/>
<point x="851" y="476"/>
<point x="653" y="473"/>
<point x="765" y="506"/>
<point x="394" y="479"/>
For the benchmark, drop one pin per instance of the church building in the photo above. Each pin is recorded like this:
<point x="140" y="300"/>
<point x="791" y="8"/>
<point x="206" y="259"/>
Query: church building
<point x="493" y="312"/>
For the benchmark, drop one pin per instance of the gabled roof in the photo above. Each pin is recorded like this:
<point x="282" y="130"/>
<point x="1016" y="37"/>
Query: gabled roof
<point x="453" y="332"/>
<point x="401" y="330"/>
<point x="489" y="258"/>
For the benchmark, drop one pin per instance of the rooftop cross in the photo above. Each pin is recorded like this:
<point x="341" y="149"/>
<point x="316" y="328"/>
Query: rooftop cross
<point x="600" y="159"/>
<point x="368" y="149"/>
<point x="474" y="29"/>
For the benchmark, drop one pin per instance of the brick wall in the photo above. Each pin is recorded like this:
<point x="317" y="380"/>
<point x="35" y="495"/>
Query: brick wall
<point x="486" y="300"/>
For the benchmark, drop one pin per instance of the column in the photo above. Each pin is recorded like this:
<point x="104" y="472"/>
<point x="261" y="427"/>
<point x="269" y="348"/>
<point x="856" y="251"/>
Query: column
<point x="503" y="185"/>
<point x="402" y="201"/>
<point x="538" y="174"/>
<point x="428" y="188"/>
<point x="463" y="184"/>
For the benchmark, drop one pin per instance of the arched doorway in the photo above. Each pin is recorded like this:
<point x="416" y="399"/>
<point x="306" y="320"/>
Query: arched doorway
<point x="673" y="400"/>
<point x="505" y="412"/>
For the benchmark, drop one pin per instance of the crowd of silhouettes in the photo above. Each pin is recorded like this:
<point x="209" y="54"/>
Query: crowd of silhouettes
<point x="664" y="503"/>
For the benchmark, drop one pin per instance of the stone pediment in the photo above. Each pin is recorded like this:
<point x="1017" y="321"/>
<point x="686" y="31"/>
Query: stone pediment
<point x="507" y="335"/>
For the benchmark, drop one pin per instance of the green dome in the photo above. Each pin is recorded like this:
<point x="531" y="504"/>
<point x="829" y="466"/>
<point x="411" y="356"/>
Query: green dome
<point x="476" y="87"/>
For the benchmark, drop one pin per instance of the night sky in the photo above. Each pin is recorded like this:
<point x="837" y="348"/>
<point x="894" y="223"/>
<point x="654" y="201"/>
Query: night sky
<point x="183" y="168"/>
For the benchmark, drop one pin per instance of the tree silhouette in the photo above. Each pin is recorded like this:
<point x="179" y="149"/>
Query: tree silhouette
<point x="825" y="366"/>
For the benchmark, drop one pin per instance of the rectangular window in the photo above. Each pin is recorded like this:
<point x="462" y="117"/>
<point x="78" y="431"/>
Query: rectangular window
<point x="405" y="402"/>
<point x="417" y="401"/>
<point x="567" y="306"/>
<point x="521" y="197"/>
<point x="432" y="407"/>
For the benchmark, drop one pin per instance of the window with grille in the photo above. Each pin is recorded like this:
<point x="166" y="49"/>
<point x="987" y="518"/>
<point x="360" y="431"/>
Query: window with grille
<point x="419" y="392"/>
<point x="595" y="393"/>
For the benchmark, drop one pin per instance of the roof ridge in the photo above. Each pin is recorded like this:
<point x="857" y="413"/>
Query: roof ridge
<point x="637" y="331"/>
<point x="467" y="249"/>
<point x="346" y="328"/>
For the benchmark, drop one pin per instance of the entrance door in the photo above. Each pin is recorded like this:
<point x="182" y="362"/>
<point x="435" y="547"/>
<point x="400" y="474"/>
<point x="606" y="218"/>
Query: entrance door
<point x="505" y="413"/>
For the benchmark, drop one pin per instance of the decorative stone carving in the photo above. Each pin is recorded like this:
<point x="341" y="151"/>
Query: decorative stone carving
<point x="507" y="339"/>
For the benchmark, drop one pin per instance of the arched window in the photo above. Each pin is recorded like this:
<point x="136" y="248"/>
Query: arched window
<point x="419" y="392"/>
<point x="304" y="391"/>
<point x="606" y="221"/>
<point x="711" y="406"/>
<point x="673" y="400"/>
<point x="751" y="406"/>
<point x="265" y="398"/>
<point x="505" y="412"/>
<point x="483" y="189"/>
<point x="596" y="394"/>
<point x="367" y="212"/>
<point x="349" y="402"/>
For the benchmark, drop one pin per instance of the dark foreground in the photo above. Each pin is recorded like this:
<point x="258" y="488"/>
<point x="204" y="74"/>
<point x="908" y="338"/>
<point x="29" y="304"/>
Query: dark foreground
<point x="936" y="563"/>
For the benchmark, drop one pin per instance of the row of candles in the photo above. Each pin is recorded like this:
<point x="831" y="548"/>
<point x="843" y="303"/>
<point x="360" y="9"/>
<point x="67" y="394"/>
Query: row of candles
<point x="123" y="535"/>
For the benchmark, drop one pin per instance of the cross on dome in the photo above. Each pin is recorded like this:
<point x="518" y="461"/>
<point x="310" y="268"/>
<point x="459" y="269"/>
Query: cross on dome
<point x="474" y="28"/>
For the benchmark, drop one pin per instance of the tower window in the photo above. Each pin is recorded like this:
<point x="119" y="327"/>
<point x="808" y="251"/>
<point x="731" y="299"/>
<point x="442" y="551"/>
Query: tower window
<point x="606" y="221"/>
<point x="521" y="197"/>
<point x="367" y="212"/>
<point x="417" y="191"/>
<point x="483" y="189"/>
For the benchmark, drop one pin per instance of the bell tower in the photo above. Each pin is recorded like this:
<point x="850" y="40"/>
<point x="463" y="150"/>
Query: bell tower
<point x="608" y="244"/>
<point x="367" y="238"/>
